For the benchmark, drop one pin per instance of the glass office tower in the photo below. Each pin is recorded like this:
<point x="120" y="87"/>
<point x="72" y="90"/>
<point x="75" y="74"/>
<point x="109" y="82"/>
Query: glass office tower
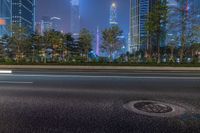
<point x="141" y="8"/>
<point x="75" y="17"/>
<point x="5" y="16"/>
<point x="113" y="14"/>
<point x="23" y="13"/>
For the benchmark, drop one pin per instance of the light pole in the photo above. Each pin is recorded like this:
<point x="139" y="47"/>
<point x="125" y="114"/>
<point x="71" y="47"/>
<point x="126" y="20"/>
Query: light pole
<point x="33" y="54"/>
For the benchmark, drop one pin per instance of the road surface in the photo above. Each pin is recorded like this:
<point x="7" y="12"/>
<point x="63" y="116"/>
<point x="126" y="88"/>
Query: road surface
<point x="93" y="102"/>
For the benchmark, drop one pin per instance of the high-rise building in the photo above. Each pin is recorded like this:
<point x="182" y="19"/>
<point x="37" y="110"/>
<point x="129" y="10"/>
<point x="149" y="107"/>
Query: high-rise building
<point x="141" y="9"/>
<point x="131" y="47"/>
<point x="113" y="14"/>
<point x="75" y="17"/>
<point x="5" y="16"/>
<point x="23" y="13"/>
<point x="195" y="4"/>
<point x="56" y="22"/>
<point x="38" y="28"/>
<point x="20" y="12"/>
<point x="48" y="23"/>
<point x="194" y="13"/>
<point x="173" y="27"/>
<point x="113" y="22"/>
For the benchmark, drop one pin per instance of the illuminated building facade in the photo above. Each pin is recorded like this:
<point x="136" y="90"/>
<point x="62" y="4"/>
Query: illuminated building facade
<point x="48" y="23"/>
<point x="141" y="8"/>
<point x="5" y="16"/>
<point x="23" y="13"/>
<point x="194" y="13"/>
<point x="173" y="19"/>
<point x="56" y="22"/>
<point x="75" y="18"/>
<point x="113" y="22"/>
<point x="20" y="12"/>
<point x="131" y="47"/>
<point x="113" y="14"/>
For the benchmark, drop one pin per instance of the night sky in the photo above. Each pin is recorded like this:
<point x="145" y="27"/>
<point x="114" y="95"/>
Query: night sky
<point x="93" y="13"/>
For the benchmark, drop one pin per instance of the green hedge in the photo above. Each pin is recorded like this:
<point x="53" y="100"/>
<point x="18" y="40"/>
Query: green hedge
<point x="10" y="62"/>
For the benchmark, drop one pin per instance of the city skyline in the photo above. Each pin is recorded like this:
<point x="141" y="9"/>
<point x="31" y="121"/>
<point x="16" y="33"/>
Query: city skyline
<point x="150" y="23"/>
<point x="77" y="19"/>
<point x="93" y="13"/>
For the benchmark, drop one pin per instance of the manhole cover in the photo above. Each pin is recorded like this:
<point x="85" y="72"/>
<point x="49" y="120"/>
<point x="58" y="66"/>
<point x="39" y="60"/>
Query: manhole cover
<point x="154" y="108"/>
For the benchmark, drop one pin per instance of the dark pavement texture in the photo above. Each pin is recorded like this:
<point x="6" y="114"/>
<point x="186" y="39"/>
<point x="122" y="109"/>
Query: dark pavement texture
<point x="92" y="102"/>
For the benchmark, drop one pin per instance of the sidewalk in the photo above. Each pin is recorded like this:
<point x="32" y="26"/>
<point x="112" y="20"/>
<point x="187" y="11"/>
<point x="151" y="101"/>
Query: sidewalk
<point x="64" y="67"/>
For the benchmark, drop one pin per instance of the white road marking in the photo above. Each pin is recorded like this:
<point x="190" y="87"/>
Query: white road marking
<point x="15" y="82"/>
<point x="116" y="77"/>
<point x="5" y="71"/>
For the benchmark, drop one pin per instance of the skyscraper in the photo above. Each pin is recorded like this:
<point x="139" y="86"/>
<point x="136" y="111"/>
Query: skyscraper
<point x="131" y="47"/>
<point x="194" y="10"/>
<point x="56" y="23"/>
<point x="20" y="12"/>
<point x="113" y="22"/>
<point x="23" y="13"/>
<point x="75" y="17"/>
<point x="141" y="9"/>
<point x="194" y="13"/>
<point x="5" y="16"/>
<point x="46" y="24"/>
<point x="113" y="14"/>
<point x="173" y="19"/>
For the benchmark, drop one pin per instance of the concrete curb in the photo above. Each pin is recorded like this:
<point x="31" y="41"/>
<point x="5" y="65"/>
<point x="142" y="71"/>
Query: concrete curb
<point x="101" y="67"/>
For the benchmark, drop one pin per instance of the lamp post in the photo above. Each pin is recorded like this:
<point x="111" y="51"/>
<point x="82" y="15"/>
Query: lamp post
<point x="33" y="54"/>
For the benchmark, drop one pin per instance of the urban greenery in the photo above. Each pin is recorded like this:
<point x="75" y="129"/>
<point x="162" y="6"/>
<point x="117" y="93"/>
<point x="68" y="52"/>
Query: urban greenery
<point x="54" y="47"/>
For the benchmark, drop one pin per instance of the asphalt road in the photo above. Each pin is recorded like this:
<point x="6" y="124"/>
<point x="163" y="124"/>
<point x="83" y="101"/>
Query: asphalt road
<point x="93" y="102"/>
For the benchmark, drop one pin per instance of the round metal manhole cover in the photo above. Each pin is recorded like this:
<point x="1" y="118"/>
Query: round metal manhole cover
<point x="155" y="108"/>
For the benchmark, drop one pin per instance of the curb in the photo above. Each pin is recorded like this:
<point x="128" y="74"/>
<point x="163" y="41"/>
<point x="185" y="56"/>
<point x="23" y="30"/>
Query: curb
<point x="101" y="67"/>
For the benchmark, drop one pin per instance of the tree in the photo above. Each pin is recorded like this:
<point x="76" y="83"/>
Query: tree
<point x="85" y="42"/>
<point x="4" y="51"/>
<point x="53" y="45"/>
<point x="18" y="41"/>
<point x="37" y="42"/>
<point x="157" y="19"/>
<point x="186" y="23"/>
<point x="68" y="45"/>
<point x="111" y="41"/>
<point x="195" y="48"/>
<point x="1" y="49"/>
